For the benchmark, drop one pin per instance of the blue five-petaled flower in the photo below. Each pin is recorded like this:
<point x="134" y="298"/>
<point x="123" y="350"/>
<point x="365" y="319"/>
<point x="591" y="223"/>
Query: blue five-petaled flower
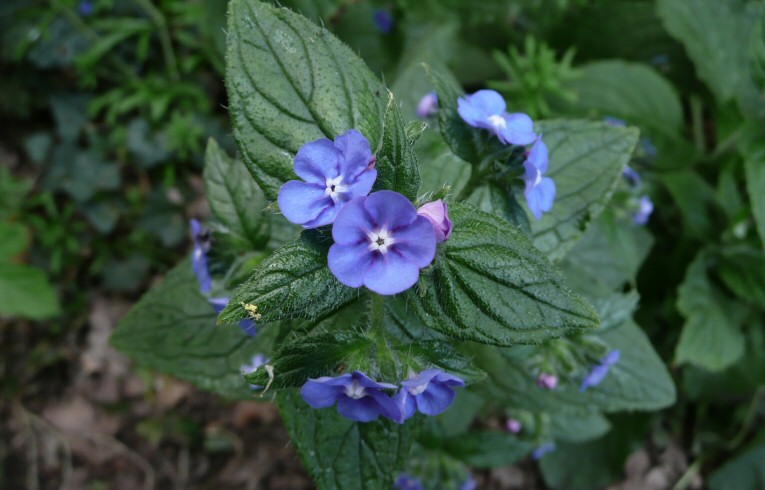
<point x="333" y="174"/>
<point x="431" y="392"/>
<point x="358" y="397"/>
<point x="381" y="243"/>
<point x="486" y="109"/>
<point x="645" y="209"/>
<point x="598" y="373"/>
<point x="408" y="482"/>
<point x="540" y="191"/>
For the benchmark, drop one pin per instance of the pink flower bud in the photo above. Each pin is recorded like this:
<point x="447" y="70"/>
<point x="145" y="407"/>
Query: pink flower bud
<point x="438" y="214"/>
<point x="428" y="105"/>
<point x="513" y="426"/>
<point x="547" y="381"/>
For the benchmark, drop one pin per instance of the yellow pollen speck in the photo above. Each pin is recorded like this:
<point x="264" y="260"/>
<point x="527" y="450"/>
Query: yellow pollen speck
<point x="252" y="310"/>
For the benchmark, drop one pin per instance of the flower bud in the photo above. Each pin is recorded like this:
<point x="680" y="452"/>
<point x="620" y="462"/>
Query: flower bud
<point x="547" y="381"/>
<point x="428" y="105"/>
<point x="513" y="426"/>
<point x="438" y="214"/>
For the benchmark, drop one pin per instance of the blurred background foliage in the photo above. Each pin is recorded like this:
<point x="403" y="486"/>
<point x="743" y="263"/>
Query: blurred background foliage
<point x="107" y="105"/>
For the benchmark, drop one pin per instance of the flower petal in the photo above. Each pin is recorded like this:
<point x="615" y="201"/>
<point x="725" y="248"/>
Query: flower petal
<point x="416" y="243"/>
<point x="355" y="154"/>
<point x="406" y="405"/>
<point x="320" y="394"/>
<point x="318" y="160"/>
<point x="364" y="409"/>
<point x="362" y="184"/>
<point x="487" y="102"/>
<point x="352" y="223"/>
<point x="546" y="194"/>
<point x="539" y="156"/>
<point x="533" y="200"/>
<point x="218" y="304"/>
<point x="390" y="273"/>
<point x="368" y="382"/>
<point x="519" y="130"/>
<point x="390" y="209"/>
<point x="302" y="203"/>
<point x="435" y="399"/>
<point x="449" y="379"/>
<point x="248" y="326"/>
<point x="388" y="406"/>
<point x="348" y="262"/>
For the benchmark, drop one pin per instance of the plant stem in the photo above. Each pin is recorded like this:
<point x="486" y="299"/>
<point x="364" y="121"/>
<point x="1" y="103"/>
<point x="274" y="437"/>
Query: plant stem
<point x="471" y="185"/>
<point x="164" y="36"/>
<point x="697" y="119"/>
<point x="688" y="476"/>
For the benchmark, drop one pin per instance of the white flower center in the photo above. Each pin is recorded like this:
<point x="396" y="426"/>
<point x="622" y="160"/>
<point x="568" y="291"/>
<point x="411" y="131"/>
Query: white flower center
<point x="498" y="122"/>
<point x="538" y="179"/>
<point x="418" y="389"/>
<point x="355" y="390"/>
<point x="380" y="240"/>
<point x="334" y="189"/>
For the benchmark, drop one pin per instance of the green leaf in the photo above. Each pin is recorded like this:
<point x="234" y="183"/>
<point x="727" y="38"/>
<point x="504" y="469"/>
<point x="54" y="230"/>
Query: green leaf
<point x="639" y="381"/>
<point x="743" y="271"/>
<point x="172" y="329"/>
<point x="633" y="91"/>
<point x="235" y="199"/>
<point x="711" y="337"/>
<point x="743" y="472"/>
<point x="291" y="82"/>
<point x="342" y="454"/>
<point x="753" y="151"/>
<point x="489" y="284"/>
<point x="696" y="202"/>
<point x="577" y="426"/>
<point x="487" y="449"/>
<point x="26" y="292"/>
<point x="716" y="37"/>
<point x="439" y="165"/>
<point x="397" y="168"/>
<point x="292" y="282"/>
<point x="586" y="163"/>
<point x="15" y="240"/>
<point x="497" y="198"/>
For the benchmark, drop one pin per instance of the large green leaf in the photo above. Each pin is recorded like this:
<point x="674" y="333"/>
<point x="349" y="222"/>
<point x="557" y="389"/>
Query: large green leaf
<point x="290" y="82"/>
<point x="26" y="292"/>
<point x="586" y="163"/>
<point x="716" y="36"/>
<point x="753" y="151"/>
<point x="342" y="454"/>
<point x="639" y="381"/>
<point x="235" y="199"/>
<point x="397" y="168"/>
<point x="743" y="271"/>
<point x="487" y="449"/>
<point x="711" y="337"/>
<point x="292" y="282"/>
<point x="489" y="284"/>
<point x="172" y="329"/>
<point x="633" y="91"/>
<point x="439" y="165"/>
<point x="743" y="472"/>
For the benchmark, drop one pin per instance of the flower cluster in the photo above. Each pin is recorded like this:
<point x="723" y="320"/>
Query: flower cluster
<point x="381" y="240"/>
<point x="201" y="269"/>
<point x="360" y="398"/>
<point x="598" y="373"/>
<point x="486" y="109"/>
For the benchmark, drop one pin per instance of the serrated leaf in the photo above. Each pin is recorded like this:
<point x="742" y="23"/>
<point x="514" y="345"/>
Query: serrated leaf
<point x="497" y="198"/>
<point x="397" y="168"/>
<point x="290" y="82"/>
<point x="342" y="454"/>
<point x="292" y="282"/>
<point x="639" y="381"/>
<point x="26" y="292"/>
<point x="172" y="329"/>
<point x="488" y="284"/>
<point x="586" y="163"/>
<point x="711" y="337"/>
<point x="235" y="199"/>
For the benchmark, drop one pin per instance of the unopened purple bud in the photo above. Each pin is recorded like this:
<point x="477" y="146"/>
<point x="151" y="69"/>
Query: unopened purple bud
<point x="428" y="105"/>
<point x="437" y="213"/>
<point x="547" y="381"/>
<point x="384" y="20"/>
<point x="514" y="425"/>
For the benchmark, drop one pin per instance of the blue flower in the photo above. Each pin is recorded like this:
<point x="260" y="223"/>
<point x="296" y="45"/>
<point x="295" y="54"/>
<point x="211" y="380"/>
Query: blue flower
<point x="545" y="448"/>
<point x="431" y="392"/>
<point x="632" y="176"/>
<point x="384" y="20"/>
<point x="540" y="191"/>
<point x="469" y="484"/>
<point x="358" y="397"/>
<point x="408" y="482"/>
<point x="428" y="105"/>
<point x="645" y="208"/>
<point x="256" y="361"/>
<point x="599" y="372"/>
<point x="614" y="121"/>
<point x="486" y="109"/>
<point x="199" y="256"/>
<point x="381" y="243"/>
<point x="333" y="174"/>
<point x="85" y="8"/>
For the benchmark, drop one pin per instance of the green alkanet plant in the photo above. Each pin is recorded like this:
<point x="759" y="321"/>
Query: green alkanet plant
<point x="411" y="306"/>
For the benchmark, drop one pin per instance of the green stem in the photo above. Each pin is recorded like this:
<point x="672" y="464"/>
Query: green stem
<point x="164" y="36"/>
<point x="471" y="185"/>
<point x="751" y="415"/>
<point x="688" y="476"/>
<point x="697" y="118"/>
